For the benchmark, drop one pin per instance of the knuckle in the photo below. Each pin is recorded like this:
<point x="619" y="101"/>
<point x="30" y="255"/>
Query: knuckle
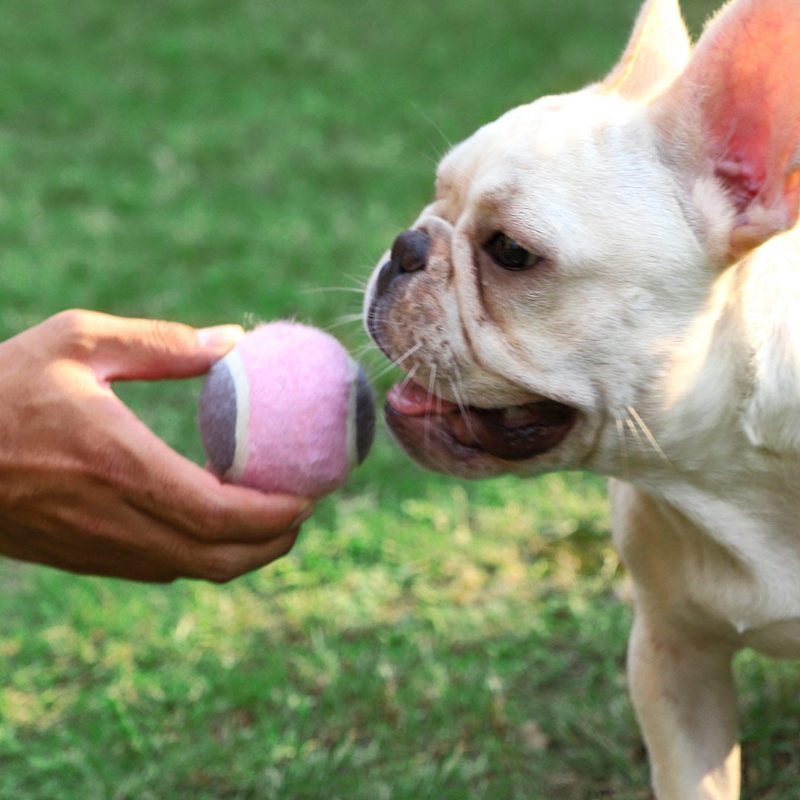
<point x="72" y="321"/>
<point x="75" y="331"/>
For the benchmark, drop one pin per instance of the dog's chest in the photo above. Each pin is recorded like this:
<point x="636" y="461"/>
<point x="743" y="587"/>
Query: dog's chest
<point x="745" y="588"/>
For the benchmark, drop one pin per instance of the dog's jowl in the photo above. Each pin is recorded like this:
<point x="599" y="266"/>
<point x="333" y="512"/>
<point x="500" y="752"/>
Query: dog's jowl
<point x="610" y="280"/>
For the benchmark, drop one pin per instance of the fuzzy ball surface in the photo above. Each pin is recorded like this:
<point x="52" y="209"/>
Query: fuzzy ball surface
<point x="287" y="410"/>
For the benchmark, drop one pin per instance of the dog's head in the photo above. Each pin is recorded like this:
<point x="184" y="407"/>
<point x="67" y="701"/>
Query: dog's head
<point x="547" y="294"/>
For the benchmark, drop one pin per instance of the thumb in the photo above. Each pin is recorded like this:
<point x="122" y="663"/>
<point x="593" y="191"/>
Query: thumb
<point x="143" y="349"/>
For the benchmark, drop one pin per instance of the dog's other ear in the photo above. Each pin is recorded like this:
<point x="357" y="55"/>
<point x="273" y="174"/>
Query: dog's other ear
<point x="734" y="117"/>
<point x="657" y="53"/>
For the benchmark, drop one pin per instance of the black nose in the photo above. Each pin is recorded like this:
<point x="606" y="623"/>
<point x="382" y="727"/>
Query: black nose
<point x="409" y="254"/>
<point x="410" y="250"/>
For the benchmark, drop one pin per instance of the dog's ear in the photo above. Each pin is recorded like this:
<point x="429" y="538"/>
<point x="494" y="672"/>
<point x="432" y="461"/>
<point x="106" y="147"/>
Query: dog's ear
<point x="657" y="53"/>
<point x="734" y="116"/>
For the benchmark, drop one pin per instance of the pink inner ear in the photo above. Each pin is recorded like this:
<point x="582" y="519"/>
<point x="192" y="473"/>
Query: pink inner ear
<point x="745" y="75"/>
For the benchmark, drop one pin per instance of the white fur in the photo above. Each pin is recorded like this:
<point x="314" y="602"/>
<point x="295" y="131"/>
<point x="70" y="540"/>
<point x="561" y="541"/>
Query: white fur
<point x="773" y="414"/>
<point x="657" y="315"/>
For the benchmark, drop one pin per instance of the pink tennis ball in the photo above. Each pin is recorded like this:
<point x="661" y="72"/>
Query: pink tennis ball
<point x="287" y="410"/>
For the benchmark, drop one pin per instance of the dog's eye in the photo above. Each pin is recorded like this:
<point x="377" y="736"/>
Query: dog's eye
<point x="505" y="252"/>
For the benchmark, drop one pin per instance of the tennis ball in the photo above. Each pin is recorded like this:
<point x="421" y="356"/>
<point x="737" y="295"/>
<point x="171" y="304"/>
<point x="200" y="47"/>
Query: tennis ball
<point x="287" y="410"/>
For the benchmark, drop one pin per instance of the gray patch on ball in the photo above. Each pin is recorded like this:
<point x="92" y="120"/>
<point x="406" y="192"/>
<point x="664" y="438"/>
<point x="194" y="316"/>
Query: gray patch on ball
<point x="365" y="415"/>
<point x="216" y="417"/>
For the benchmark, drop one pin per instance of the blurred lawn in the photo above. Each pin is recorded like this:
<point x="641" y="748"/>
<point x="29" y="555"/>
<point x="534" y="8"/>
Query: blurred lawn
<point x="427" y="638"/>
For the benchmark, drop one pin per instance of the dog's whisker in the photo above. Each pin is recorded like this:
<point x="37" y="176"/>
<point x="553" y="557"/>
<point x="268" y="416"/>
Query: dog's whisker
<point x="623" y="444"/>
<point x="408" y="378"/>
<point x="368" y="349"/>
<point x="385" y="370"/>
<point x="410" y="352"/>
<point x="432" y="380"/>
<point x="375" y="361"/>
<point x="326" y="289"/>
<point x="360" y="282"/>
<point x="462" y="407"/>
<point x="390" y="324"/>
<point x="431" y="392"/>
<point x="345" y="319"/>
<point x="457" y="382"/>
<point x="433" y="159"/>
<point x="398" y="362"/>
<point x="433" y="124"/>
<point x="634" y="414"/>
<point x="463" y="410"/>
<point x="629" y="424"/>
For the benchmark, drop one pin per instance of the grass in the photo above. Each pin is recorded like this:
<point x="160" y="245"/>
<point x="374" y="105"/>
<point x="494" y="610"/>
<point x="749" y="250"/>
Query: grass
<point x="427" y="638"/>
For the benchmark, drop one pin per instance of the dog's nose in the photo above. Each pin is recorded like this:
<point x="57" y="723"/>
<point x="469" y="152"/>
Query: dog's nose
<point x="410" y="251"/>
<point x="409" y="254"/>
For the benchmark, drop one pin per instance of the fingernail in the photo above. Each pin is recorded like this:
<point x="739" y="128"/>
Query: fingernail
<point x="219" y="339"/>
<point x="303" y="516"/>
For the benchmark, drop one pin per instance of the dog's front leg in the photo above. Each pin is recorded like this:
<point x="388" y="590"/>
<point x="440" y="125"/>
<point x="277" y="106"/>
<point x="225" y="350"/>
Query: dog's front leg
<point x="684" y="697"/>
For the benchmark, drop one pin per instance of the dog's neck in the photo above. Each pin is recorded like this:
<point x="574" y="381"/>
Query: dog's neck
<point x="726" y="443"/>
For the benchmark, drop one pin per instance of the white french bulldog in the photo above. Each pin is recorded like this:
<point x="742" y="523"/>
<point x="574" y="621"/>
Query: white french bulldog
<point x="610" y="280"/>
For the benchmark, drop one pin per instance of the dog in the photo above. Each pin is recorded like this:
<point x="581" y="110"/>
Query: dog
<point x="609" y="280"/>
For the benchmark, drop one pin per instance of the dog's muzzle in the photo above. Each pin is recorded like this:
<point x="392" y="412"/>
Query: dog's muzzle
<point x="409" y="254"/>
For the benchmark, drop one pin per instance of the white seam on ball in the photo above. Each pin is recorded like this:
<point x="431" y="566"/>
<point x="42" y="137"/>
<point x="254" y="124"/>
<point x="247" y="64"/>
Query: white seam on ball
<point x="242" y="395"/>
<point x="352" y="416"/>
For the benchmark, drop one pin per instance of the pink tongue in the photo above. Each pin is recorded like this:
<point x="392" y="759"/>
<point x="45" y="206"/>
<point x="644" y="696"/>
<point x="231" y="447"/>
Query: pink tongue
<point x="413" y="400"/>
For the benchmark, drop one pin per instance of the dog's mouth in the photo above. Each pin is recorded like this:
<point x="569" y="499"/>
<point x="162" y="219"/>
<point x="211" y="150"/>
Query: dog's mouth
<point x="511" y="433"/>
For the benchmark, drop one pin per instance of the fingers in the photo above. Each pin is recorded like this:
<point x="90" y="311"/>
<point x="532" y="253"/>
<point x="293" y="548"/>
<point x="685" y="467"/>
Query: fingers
<point x="238" y="514"/>
<point x="223" y="514"/>
<point x="161" y="483"/>
<point x="117" y="348"/>
<point x="176" y="492"/>
<point x="215" y="563"/>
<point x="92" y="489"/>
<point x="115" y="539"/>
<point x="151" y="552"/>
<point x="223" y="563"/>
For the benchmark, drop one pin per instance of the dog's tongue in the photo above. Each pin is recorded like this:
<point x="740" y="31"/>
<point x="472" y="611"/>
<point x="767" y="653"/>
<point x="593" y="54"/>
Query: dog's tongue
<point x="414" y="400"/>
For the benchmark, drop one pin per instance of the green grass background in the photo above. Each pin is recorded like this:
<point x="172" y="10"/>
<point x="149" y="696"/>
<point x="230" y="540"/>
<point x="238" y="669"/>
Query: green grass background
<point x="427" y="638"/>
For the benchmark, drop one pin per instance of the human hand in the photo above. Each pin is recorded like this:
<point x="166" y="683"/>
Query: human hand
<point x="85" y="486"/>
